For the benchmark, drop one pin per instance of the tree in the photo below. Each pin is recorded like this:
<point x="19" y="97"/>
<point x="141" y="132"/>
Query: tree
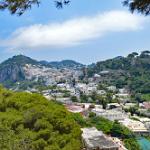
<point x="20" y="6"/>
<point x="145" y="54"/>
<point x="132" y="110"/>
<point x="131" y="144"/>
<point x="133" y="55"/>
<point x="138" y="98"/>
<point x="74" y="99"/>
<point x="102" y="124"/>
<point x="31" y="122"/>
<point x="92" y="114"/>
<point x="121" y="131"/>
<point x="141" y="6"/>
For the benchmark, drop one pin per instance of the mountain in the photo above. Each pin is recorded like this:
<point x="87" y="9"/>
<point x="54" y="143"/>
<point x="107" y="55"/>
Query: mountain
<point x="11" y="70"/>
<point x="21" y="68"/>
<point x="132" y="71"/>
<point x="20" y="59"/>
<point x="70" y="64"/>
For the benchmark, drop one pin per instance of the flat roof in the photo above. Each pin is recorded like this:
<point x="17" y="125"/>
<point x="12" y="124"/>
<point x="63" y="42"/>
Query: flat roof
<point x="96" y="139"/>
<point x="135" y="126"/>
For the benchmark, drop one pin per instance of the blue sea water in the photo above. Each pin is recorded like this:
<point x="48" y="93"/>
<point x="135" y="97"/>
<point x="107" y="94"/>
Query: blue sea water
<point x="144" y="143"/>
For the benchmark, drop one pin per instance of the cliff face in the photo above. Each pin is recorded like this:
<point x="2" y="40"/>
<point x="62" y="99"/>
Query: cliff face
<point x="12" y="70"/>
<point x="13" y="73"/>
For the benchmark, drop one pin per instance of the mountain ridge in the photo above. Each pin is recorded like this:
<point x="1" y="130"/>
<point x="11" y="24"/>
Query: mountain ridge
<point x="131" y="71"/>
<point x="15" y="69"/>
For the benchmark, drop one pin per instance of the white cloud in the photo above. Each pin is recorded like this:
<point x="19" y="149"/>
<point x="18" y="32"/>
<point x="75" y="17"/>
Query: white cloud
<point x="74" y="31"/>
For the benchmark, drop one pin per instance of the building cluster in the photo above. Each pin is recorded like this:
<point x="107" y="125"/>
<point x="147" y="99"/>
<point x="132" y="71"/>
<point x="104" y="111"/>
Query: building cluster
<point x="68" y="85"/>
<point x="50" y="76"/>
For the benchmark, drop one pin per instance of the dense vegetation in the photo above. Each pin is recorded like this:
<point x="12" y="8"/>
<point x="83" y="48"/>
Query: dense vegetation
<point x="145" y="97"/>
<point x="132" y="72"/>
<point x="64" y="64"/>
<point x="29" y="121"/>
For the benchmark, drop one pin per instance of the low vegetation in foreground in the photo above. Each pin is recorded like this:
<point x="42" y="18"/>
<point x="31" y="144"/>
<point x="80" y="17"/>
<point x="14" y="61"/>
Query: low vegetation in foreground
<point x="29" y="121"/>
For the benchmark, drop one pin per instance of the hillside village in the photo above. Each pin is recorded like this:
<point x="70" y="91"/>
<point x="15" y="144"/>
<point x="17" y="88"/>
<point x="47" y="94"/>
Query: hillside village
<point x="90" y="96"/>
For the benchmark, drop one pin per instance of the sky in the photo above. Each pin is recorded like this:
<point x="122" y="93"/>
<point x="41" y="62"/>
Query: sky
<point x="86" y="31"/>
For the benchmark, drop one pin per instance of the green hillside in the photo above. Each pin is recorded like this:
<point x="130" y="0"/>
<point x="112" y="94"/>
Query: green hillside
<point x="132" y="71"/>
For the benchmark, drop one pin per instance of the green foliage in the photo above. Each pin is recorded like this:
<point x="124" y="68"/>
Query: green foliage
<point x="132" y="144"/>
<point x="102" y="124"/>
<point x="131" y="72"/>
<point x="145" y="97"/>
<point x="92" y="114"/>
<point x="120" y="131"/>
<point x="29" y="121"/>
<point x="84" y="98"/>
<point x="80" y="120"/>
<point x="133" y="110"/>
<point x="74" y="99"/>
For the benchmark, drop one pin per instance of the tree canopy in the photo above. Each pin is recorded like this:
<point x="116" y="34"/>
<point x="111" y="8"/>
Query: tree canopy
<point x="142" y="6"/>
<point x="20" y="6"/>
<point x="29" y="121"/>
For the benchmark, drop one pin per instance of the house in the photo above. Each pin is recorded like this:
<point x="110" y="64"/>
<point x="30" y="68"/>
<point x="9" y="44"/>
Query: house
<point x="81" y="87"/>
<point x="123" y="91"/>
<point x="114" y="105"/>
<point x="144" y="120"/>
<point x="129" y="105"/>
<point x="112" y="88"/>
<point x="146" y="105"/>
<point x="75" y="108"/>
<point x="135" y="126"/>
<point x="63" y="100"/>
<point x="97" y="78"/>
<point x="101" y="92"/>
<point x="110" y="114"/>
<point x="104" y="72"/>
<point x="96" y="140"/>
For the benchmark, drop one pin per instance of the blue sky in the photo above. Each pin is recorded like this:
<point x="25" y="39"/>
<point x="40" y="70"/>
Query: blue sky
<point x="83" y="31"/>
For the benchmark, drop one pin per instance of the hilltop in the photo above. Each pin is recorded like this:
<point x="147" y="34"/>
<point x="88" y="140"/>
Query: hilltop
<point x="132" y="71"/>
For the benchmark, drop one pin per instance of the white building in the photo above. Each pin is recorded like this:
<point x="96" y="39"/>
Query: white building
<point x="110" y="114"/>
<point x="96" y="140"/>
<point x="135" y="126"/>
<point x="112" y="88"/>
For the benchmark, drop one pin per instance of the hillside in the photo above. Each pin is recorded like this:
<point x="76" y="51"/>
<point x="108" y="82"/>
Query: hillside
<point x="132" y="71"/>
<point x="21" y="68"/>
<point x="12" y="71"/>
<point x="29" y="121"/>
<point x="70" y="64"/>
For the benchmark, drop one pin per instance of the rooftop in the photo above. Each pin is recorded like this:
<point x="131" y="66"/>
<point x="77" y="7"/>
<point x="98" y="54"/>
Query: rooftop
<point x="135" y="126"/>
<point x="96" y="139"/>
